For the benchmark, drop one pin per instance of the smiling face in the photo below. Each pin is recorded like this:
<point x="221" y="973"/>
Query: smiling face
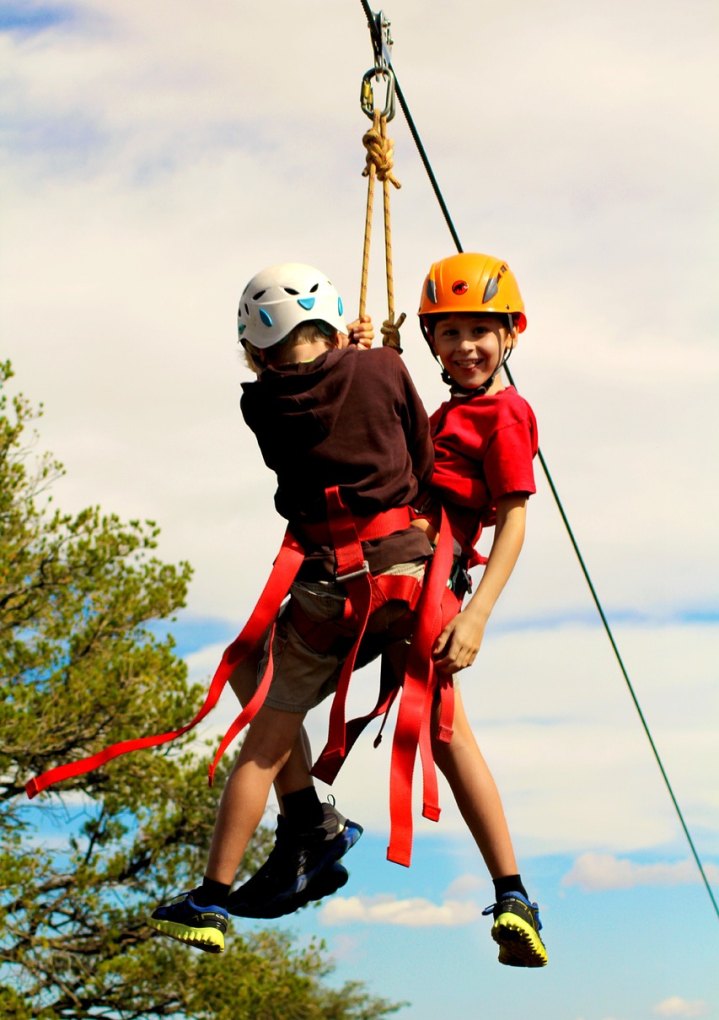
<point x="471" y="347"/>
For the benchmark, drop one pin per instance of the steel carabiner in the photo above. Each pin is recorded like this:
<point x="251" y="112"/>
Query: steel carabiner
<point x="382" y="46"/>
<point x="367" y="93"/>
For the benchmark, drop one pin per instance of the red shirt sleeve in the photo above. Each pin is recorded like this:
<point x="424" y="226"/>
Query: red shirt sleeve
<point x="508" y="459"/>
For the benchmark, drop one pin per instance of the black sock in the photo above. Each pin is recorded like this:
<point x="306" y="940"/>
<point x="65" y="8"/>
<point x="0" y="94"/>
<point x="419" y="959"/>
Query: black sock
<point x="303" y="809"/>
<point x="211" y="893"/>
<point x="507" y="884"/>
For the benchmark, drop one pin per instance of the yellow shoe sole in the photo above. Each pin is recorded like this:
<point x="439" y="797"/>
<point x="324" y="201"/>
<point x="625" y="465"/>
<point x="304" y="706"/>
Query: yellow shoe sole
<point x="519" y="943"/>
<point x="209" y="939"/>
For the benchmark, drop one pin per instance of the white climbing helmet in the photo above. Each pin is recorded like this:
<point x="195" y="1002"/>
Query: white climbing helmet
<point x="281" y="297"/>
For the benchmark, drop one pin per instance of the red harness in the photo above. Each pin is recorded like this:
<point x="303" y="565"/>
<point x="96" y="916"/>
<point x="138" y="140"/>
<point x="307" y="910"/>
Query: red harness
<point x="434" y="604"/>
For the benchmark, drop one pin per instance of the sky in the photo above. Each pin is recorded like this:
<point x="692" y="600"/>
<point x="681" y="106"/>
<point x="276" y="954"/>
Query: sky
<point x="155" y="156"/>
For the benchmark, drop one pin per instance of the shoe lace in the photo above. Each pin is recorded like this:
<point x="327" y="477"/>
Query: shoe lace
<point x="534" y="907"/>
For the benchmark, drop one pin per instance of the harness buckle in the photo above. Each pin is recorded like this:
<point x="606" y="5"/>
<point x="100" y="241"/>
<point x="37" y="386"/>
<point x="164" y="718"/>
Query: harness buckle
<point x="353" y="574"/>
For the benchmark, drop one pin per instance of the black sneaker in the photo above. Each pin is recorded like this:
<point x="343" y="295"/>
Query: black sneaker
<point x="324" y="883"/>
<point x="516" y="930"/>
<point x="184" y="920"/>
<point x="301" y="868"/>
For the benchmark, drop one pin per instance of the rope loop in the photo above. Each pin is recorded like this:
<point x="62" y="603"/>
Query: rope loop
<point x="379" y="164"/>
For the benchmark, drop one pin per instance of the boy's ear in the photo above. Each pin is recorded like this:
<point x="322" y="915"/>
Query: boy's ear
<point x="254" y="359"/>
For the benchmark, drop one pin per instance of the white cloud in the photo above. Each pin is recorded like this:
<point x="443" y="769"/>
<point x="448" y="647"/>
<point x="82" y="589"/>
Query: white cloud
<point x="149" y="176"/>
<point x="677" y="1006"/>
<point x="202" y="664"/>
<point x="463" y="886"/>
<point x="598" y="872"/>
<point x="412" y="913"/>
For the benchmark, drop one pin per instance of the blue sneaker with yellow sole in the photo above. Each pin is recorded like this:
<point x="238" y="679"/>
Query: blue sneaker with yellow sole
<point x="516" y="931"/>
<point x="198" y="926"/>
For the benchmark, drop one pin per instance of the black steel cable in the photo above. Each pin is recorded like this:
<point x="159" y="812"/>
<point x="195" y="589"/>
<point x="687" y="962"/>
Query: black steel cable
<point x="377" y="43"/>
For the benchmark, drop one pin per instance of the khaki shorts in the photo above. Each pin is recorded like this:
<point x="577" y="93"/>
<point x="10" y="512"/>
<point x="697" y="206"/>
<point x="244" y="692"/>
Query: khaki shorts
<point x="304" y="676"/>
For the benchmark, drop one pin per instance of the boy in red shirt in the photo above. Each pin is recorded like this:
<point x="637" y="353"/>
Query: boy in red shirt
<point x="485" y="438"/>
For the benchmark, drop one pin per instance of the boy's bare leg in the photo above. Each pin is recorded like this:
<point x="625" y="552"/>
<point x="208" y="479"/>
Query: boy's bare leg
<point x="476" y="794"/>
<point x="265" y="750"/>
<point x="295" y="773"/>
<point x="199" y="918"/>
<point x="311" y="837"/>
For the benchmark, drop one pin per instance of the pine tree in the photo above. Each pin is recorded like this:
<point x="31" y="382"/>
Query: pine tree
<point x="84" y="662"/>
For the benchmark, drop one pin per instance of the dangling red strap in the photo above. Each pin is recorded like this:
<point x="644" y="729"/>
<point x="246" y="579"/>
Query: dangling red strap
<point x="430" y="790"/>
<point x="451" y="605"/>
<point x="284" y="571"/>
<point x="327" y="766"/>
<point x="419" y="684"/>
<point x="446" y="710"/>
<point x="353" y="573"/>
<point x="387" y="587"/>
<point x="250" y="710"/>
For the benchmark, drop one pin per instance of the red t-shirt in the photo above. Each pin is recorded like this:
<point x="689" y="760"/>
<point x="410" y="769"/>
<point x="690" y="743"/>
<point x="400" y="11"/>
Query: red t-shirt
<point x="483" y="450"/>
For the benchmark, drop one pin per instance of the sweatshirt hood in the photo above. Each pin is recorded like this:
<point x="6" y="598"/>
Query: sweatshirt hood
<point x="307" y="397"/>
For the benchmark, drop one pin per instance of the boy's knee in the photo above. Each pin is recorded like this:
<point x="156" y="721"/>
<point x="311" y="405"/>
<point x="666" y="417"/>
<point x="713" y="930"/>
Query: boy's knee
<point x="270" y="737"/>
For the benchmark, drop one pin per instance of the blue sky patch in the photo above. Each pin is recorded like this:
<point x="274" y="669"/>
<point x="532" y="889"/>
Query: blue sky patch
<point x="23" y="17"/>
<point x="192" y="633"/>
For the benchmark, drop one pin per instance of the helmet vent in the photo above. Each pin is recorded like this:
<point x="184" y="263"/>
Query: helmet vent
<point x="258" y="295"/>
<point x="314" y="288"/>
<point x="432" y="291"/>
<point x="291" y="290"/>
<point x="491" y="289"/>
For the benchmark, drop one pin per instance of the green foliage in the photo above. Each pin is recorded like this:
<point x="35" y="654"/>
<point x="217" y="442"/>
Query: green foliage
<point x="81" y="667"/>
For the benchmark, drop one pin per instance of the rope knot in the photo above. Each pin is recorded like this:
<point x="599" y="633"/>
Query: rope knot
<point x="380" y="151"/>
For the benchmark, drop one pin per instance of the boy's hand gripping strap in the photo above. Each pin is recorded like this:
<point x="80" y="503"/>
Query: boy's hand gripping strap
<point x="284" y="570"/>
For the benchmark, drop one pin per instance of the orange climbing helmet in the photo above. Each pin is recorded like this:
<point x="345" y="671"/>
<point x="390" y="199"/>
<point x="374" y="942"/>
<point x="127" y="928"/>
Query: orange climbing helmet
<point x="470" y="282"/>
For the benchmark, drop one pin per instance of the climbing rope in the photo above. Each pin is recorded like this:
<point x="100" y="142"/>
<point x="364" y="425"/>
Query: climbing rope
<point x="379" y="29"/>
<point x="379" y="165"/>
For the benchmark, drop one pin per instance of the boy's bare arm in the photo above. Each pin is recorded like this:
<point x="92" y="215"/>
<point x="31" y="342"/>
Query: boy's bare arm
<point x="459" y="642"/>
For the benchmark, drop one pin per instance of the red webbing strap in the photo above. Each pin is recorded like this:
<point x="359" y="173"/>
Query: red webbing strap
<point x="326" y="767"/>
<point x="451" y="605"/>
<point x="413" y="712"/>
<point x="446" y="709"/>
<point x="391" y="587"/>
<point x="398" y="588"/>
<point x="379" y="525"/>
<point x="445" y="686"/>
<point x="250" y="710"/>
<point x="353" y="573"/>
<point x="284" y="571"/>
<point x="430" y="789"/>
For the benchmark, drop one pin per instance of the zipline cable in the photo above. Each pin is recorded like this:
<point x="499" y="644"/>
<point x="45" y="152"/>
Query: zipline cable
<point x="377" y="44"/>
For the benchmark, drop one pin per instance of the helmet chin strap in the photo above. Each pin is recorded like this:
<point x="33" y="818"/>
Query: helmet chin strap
<point x="476" y="391"/>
